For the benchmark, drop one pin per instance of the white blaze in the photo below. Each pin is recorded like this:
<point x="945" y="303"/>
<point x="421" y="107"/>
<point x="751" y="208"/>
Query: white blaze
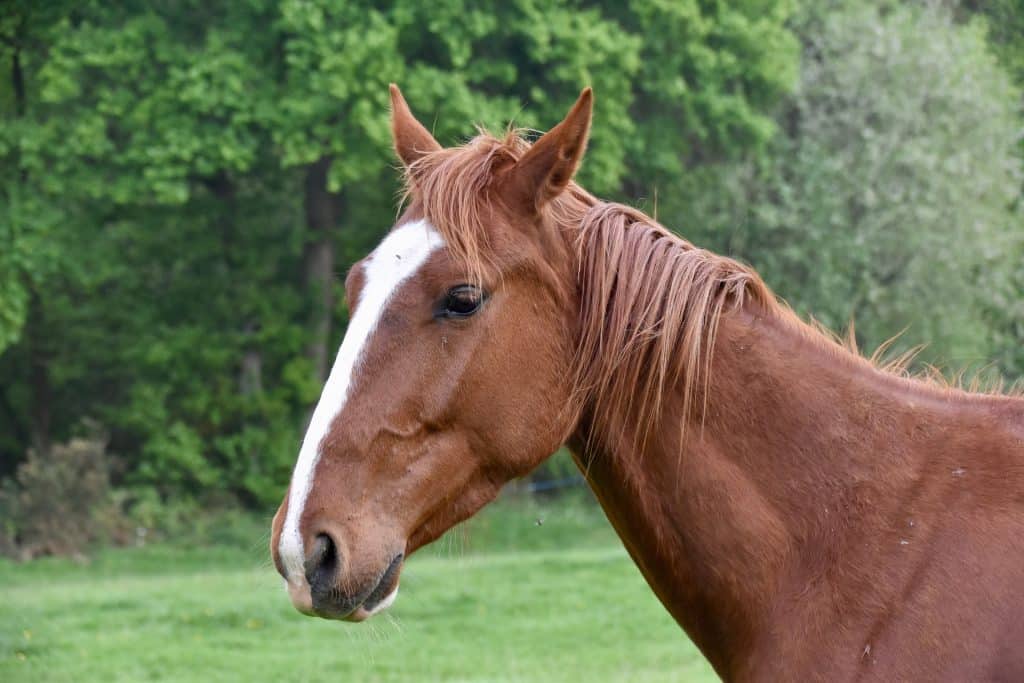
<point x="396" y="259"/>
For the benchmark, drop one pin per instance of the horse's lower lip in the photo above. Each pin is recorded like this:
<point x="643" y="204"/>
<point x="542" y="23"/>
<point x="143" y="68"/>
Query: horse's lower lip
<point x="386" y="585"/>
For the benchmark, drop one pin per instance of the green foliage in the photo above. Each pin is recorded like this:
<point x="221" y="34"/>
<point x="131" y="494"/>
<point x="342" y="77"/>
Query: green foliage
<point x="712" y="74"/>
<point x="155" y="165"/>
<point x="1005" y="23"/>
<point x="887" y="199"/>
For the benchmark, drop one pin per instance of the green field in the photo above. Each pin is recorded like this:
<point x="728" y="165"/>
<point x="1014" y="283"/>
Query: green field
<point x="503" y="599"/>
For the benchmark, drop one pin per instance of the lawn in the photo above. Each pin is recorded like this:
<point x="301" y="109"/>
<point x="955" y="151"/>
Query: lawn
<point x="527" y="592"/>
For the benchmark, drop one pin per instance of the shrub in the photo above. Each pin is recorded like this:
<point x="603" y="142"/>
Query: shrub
<point x="58" y="503"/>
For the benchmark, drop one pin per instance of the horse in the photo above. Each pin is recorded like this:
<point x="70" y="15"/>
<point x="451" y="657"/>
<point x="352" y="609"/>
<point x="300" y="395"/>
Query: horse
<point x="804" y="513"/>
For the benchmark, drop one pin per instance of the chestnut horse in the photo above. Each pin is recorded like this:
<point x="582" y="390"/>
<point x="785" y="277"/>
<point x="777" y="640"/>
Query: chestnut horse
<point x="801" y="512"/>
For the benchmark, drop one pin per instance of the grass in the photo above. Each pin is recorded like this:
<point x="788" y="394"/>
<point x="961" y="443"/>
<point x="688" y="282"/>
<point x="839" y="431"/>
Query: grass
<point x="502" y="599"/>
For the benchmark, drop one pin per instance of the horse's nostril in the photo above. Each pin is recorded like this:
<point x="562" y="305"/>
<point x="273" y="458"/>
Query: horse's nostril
<point x="322" y="563"/>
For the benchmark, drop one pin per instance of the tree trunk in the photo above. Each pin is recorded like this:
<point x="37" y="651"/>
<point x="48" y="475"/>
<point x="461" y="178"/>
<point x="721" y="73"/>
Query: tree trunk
<point x="18" y="82"/>
<point x="35" y="334"/>
<point x="250" y="377"/>
<point x="250" y="368"/>
<point x="323" y="209"/>
<point x="39" y="377"/>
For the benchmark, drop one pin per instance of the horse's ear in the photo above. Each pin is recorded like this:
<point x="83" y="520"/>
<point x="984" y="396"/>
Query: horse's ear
<point x="548" y="166"/>
<point x="411" y="139"/>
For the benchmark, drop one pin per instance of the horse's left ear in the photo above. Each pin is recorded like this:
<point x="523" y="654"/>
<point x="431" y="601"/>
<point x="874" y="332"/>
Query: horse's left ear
<point x="548" y="166"/>
<point x="411" y="139"/>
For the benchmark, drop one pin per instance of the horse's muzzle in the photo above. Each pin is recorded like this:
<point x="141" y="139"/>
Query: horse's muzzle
<point x="336" y="596"/>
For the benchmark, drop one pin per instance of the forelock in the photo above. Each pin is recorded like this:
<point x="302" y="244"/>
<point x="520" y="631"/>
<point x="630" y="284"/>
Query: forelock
<point x="454" y="188"/>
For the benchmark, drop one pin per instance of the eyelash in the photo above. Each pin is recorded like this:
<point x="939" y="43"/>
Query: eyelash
<point x="454" y="303"/>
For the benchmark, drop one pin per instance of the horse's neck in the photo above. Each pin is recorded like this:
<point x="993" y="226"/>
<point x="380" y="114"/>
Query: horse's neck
<point x="802" y="452"/>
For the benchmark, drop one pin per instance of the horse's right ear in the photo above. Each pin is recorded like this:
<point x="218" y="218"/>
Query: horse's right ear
<point x="411" y="139"/>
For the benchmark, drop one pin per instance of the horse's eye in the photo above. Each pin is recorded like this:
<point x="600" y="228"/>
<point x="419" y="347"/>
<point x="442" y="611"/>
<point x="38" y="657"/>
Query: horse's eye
<point x="462" y="301"/>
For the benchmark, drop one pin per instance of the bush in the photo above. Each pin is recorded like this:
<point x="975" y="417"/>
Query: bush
<point x="59" y="503"/>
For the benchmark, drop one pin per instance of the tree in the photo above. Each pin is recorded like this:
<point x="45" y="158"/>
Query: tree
<point x="193" y="178"/>
<point x="712" y="74"/>
<point x="887" y="197"/>
<point x="1005" y="34"/>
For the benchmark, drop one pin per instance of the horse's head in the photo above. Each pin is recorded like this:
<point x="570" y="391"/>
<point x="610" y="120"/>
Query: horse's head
<point x="454" y="373"/>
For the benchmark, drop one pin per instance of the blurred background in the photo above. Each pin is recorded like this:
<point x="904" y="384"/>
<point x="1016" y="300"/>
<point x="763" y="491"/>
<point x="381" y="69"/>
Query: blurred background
<point x="183" y="186"/>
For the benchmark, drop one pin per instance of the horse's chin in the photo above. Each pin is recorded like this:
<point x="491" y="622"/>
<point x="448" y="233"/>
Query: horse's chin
<point x="359" y="614"/>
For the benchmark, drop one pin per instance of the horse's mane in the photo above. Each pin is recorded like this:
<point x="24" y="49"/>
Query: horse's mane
<point x="651" y="301"/>
<point x="650" y="313"/>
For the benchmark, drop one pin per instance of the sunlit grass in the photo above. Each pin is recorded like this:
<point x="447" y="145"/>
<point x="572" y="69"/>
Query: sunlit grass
<point x="506" y="599"/>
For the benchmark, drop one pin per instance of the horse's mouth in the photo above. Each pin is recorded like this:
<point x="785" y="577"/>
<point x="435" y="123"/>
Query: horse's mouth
<point x="383" y="595"/>
<point x="360" y="607"/>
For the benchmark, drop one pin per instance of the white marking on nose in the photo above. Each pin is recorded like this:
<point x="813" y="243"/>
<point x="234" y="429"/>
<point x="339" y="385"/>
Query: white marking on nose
<point x="396" y="259"/>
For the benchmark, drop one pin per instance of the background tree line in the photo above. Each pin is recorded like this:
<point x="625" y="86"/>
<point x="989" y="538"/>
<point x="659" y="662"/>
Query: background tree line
<point x="183" y="185"/>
